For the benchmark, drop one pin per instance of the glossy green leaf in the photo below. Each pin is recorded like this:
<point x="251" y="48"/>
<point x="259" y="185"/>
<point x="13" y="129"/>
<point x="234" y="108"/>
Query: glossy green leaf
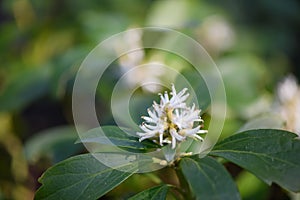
<point x="56" y="143"/>
<point x="272" y="155"/>
<point x="116" y="136"/>
<point x="24" y="88"/>
<point x="81" y="177"/>
<point x="208" y="179"/>
<point x="155" y="193"/>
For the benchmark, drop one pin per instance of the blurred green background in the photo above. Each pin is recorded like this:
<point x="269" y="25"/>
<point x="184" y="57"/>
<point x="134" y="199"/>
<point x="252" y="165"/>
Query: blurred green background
<point x="42" y="43"/>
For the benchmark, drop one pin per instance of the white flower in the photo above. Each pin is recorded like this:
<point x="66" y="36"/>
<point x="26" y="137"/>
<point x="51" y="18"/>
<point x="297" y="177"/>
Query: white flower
<point x="172" y="120"/>
<point x="289" y="103"/>
<point x="287" y="89"/>
<point x="144" y="73"/>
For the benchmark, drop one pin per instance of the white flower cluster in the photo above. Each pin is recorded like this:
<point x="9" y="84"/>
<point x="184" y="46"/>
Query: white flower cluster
<point x="172" y="120"/>
<point x="289" y="103"/>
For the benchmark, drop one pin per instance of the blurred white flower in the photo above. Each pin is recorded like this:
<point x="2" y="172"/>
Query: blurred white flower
<point x="216" y="34"/>
<point x="289" y="103"/>
<point x="144" y="74"/>
<point x="132" y="40"/>
<point x="287" y="89"/>
<point x="172" y="120"/>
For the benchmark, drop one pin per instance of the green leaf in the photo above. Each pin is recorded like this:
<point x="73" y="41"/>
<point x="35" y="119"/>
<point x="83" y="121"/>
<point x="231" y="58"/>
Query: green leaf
<point x="271" y="155"/>
<point x="157" y="193"/>
<point x="81" y="177"/>
<point x="56" y="143"/>
<point x="169" y="153"/>
<point x="114" y="135"/>
<point x="24" y="88"/>
<point x="208" y="179"/>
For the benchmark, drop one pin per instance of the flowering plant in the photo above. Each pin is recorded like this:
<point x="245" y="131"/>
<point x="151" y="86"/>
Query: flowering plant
<point x="271" y="155"/>
<point x="172" y="120"/>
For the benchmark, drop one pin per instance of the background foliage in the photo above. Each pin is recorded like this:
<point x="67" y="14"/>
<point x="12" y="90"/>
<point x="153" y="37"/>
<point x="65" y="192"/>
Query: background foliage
<point x="42" y="44"/>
